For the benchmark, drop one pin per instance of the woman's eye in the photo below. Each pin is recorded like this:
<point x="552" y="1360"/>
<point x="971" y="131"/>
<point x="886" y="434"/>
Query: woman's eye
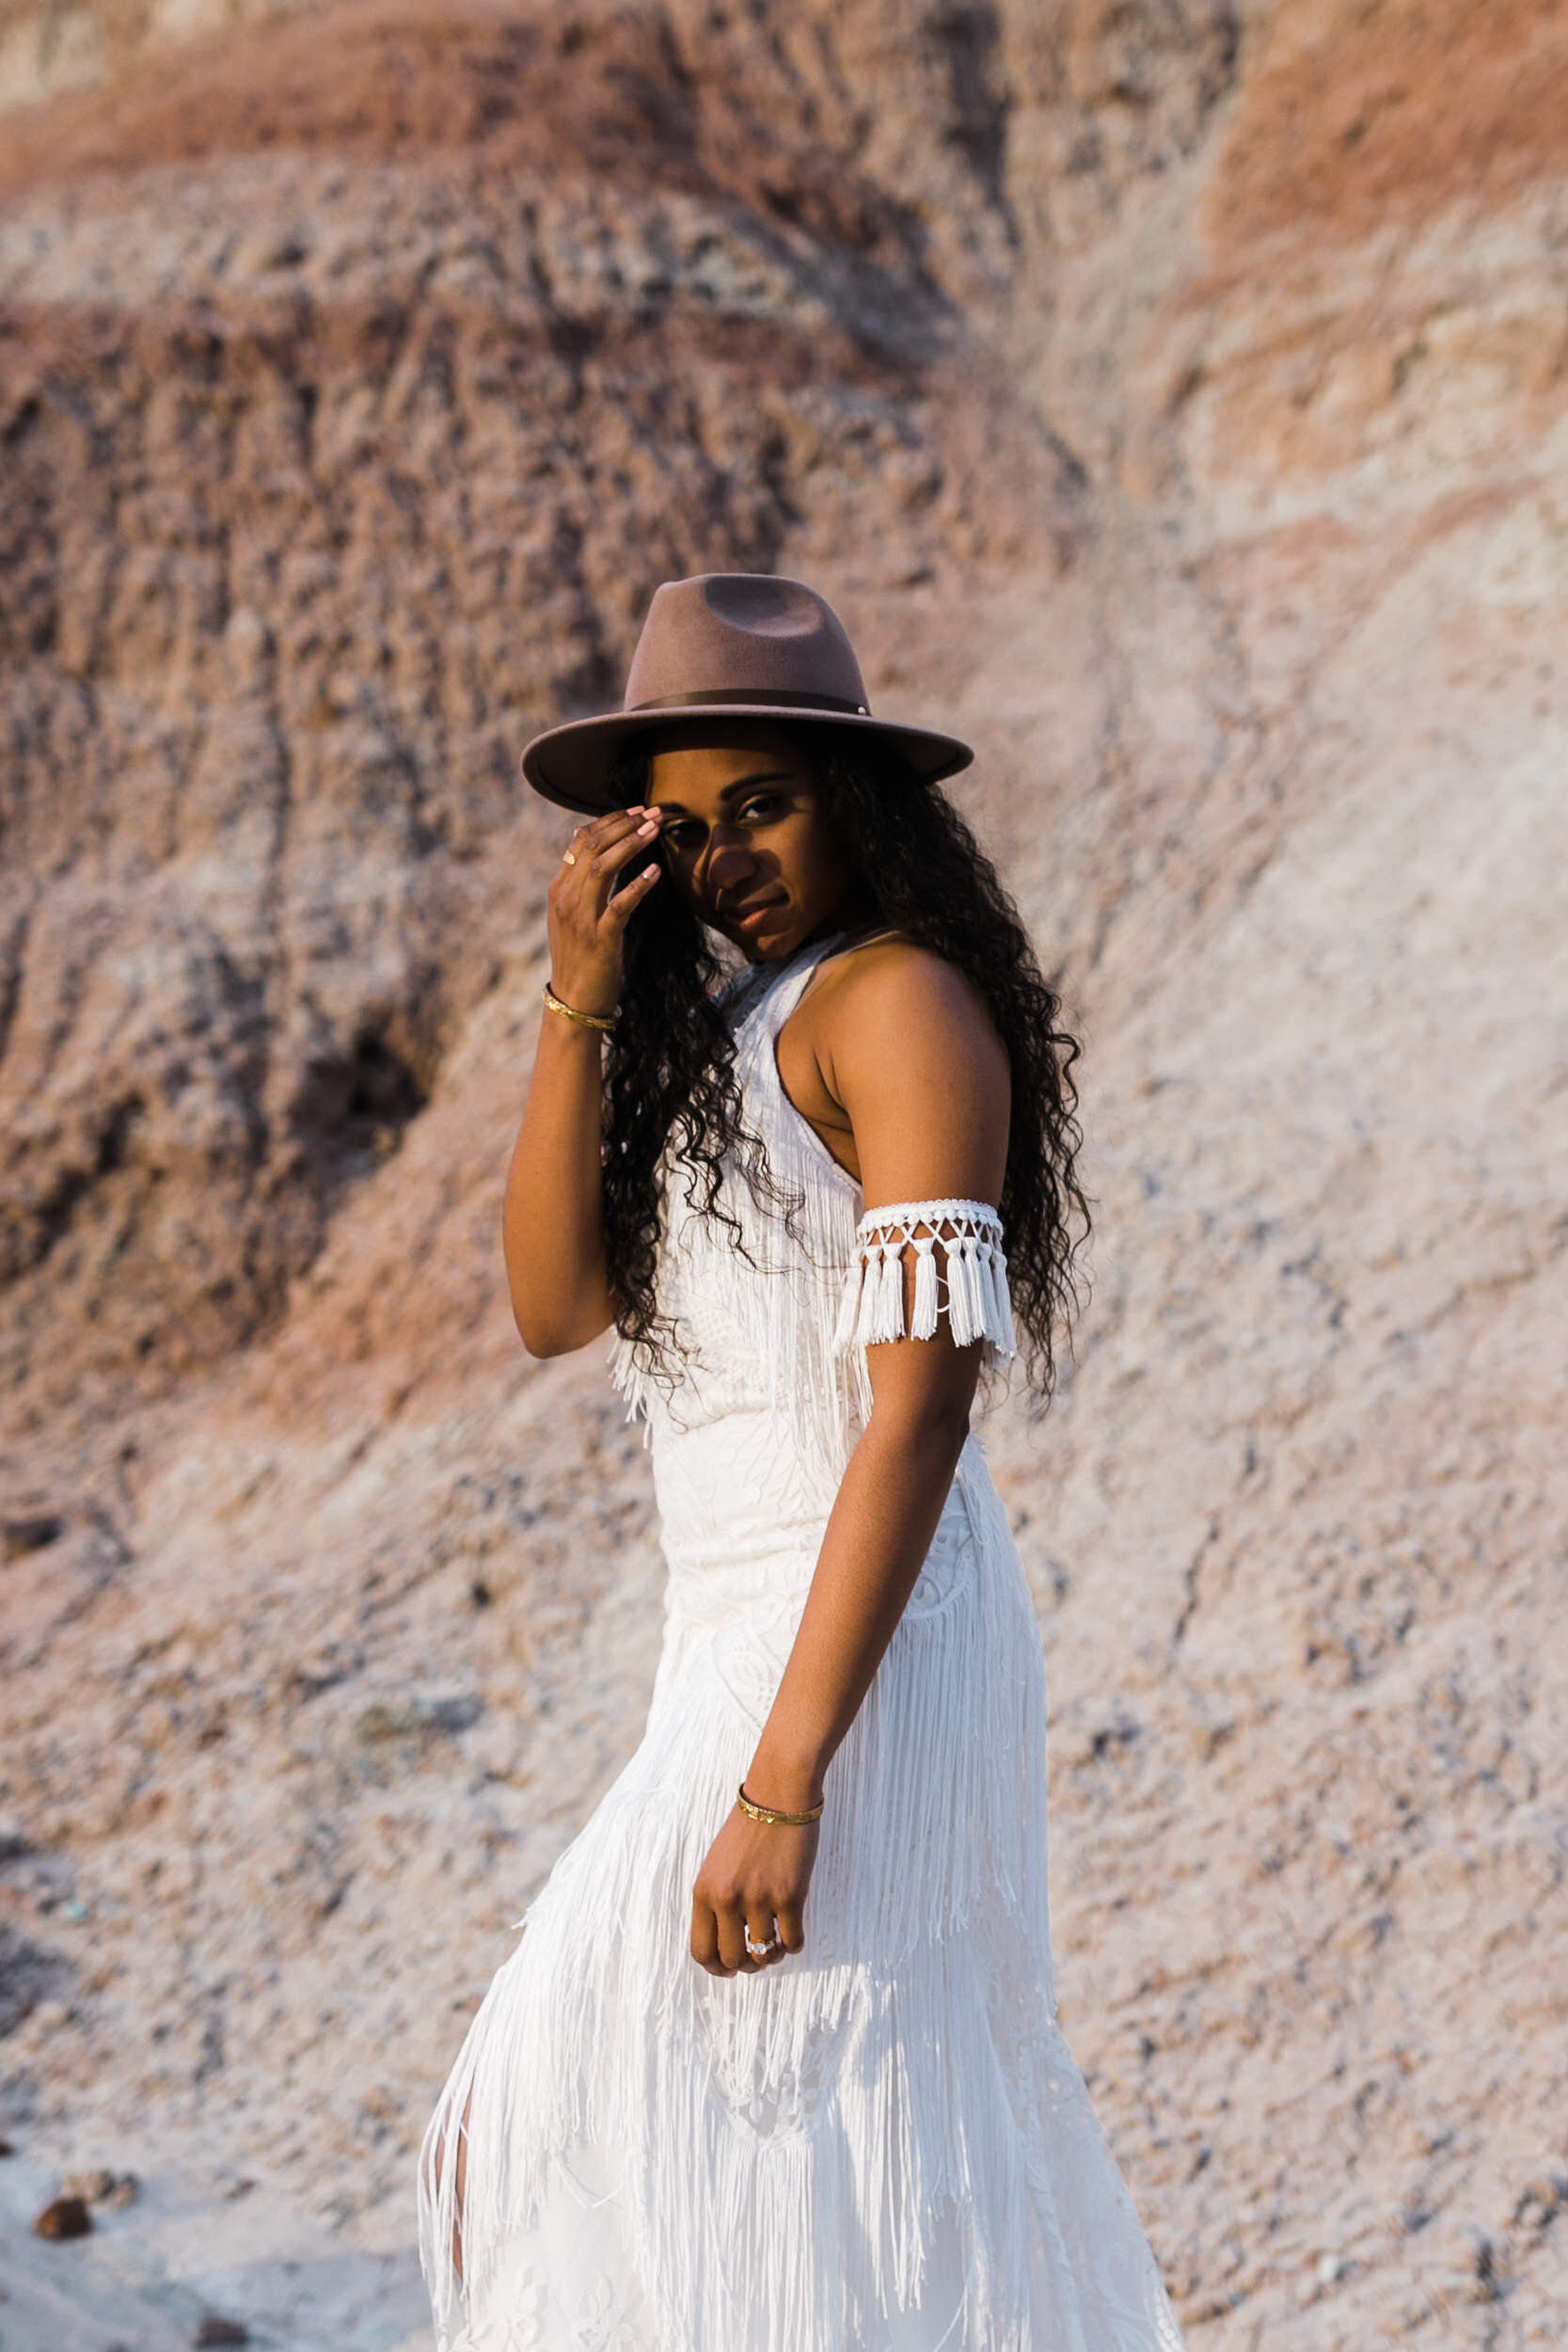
<point x="762" y="805"/>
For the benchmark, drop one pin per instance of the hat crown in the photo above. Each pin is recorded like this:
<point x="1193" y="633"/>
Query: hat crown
<point x="733" y="633"/>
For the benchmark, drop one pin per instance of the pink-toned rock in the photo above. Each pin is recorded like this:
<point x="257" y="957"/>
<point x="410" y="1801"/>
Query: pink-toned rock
<point x="101" y="2186"/>
<point x="1174" y="401"/>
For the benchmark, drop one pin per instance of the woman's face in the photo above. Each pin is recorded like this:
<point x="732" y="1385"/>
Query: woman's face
<point x="747" y="838"/>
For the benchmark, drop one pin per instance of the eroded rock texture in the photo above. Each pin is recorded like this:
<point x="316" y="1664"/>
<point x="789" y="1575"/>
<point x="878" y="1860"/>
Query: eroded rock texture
<point x="1172" y="398"/>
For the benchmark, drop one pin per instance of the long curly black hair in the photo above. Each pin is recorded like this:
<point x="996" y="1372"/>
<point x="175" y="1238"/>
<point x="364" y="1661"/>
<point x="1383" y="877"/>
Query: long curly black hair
<point x="670" y="1064"/>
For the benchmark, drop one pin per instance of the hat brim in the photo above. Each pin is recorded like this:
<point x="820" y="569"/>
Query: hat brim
<point x="570" y="764"/>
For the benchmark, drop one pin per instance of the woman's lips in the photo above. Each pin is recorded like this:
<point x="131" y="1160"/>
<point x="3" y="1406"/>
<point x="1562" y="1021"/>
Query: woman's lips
<point x="753" y="917"/>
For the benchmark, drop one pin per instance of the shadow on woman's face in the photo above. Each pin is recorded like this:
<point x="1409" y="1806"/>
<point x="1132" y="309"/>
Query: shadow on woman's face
<point x="748" y="837"/>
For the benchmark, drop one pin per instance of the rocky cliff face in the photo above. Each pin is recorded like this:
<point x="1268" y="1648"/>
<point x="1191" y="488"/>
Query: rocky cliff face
<point x="1173" y="399"/>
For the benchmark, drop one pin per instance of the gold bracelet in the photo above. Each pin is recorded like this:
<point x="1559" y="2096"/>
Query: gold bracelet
<point x="770" y="1813"/>
<point x="589" y="1020"/>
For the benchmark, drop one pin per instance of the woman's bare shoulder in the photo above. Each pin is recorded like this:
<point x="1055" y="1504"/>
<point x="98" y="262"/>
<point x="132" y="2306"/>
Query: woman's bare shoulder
<point x="892" y="989"/>
<point x="910" y="1057"/>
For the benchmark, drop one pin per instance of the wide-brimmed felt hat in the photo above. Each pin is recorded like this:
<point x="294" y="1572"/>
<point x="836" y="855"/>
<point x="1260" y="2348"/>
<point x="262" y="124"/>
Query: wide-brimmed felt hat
<point x="728" y="645"/>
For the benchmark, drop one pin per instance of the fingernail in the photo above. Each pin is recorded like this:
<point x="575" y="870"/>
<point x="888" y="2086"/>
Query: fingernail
<point x="649" y="824"/>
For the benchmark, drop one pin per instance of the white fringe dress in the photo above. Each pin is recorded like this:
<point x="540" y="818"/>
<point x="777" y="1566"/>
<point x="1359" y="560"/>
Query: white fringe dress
<point x="881" y="2143"/>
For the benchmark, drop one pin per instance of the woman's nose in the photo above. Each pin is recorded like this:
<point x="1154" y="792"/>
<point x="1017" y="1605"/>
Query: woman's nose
<point x="727" y="864"/>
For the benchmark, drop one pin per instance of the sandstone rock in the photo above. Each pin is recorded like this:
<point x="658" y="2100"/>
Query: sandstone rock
<point x="102" y="2187"/>
<point x="35" y="1533"/>
<point x="1173" y="399"/>
<point x="216" y="2330"/>
<point x="31" y="1977"/>
<point x="64" y="2216"/>
<point x="416" y="1715"/>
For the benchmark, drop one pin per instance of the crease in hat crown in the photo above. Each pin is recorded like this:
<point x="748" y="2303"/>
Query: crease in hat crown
<point x="724" y="633"/>
<point x="737" y="644"/>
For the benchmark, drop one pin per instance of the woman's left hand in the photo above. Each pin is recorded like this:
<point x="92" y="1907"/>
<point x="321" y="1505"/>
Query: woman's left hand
<point x="754" y="1873"/>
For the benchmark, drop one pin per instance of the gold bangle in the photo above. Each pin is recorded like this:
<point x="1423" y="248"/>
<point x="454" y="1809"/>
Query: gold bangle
<point x="589" y="1020"/>
<point x="771" y="1813"/>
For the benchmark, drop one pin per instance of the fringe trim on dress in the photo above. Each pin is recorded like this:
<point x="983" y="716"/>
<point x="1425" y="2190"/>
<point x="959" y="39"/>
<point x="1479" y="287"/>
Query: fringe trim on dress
<point x="817" y="2114"/>
<point x="794" y="2138"/>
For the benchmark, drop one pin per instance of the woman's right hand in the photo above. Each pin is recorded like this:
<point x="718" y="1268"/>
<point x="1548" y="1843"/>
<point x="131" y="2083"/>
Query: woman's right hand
<point x="588" y="917"/>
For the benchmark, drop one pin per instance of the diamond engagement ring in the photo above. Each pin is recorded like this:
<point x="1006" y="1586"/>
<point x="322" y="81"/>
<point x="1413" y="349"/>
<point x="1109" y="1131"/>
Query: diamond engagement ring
<point x="757" y="1950"/>
<point x="569" y="857"/>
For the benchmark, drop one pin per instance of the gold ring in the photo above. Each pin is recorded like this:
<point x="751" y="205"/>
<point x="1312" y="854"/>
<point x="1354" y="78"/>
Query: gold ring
<point x="570" y="858"/>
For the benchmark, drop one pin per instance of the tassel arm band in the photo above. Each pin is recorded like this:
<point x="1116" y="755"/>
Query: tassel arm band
<point x="969" y="1286"/>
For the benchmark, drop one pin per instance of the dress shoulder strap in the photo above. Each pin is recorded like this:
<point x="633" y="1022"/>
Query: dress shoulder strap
<point x="768" y="1002"/>
<point x="799" y="978"/>
<point x="846" y="946"/>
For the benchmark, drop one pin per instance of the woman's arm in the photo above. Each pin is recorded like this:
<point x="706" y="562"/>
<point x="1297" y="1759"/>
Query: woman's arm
<point x="553" y="1219"/>
<point x="910" y="1052"/>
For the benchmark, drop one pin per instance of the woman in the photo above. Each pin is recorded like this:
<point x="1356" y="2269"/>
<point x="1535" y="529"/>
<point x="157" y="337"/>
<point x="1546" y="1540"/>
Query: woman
<point x="775" y="2067"/>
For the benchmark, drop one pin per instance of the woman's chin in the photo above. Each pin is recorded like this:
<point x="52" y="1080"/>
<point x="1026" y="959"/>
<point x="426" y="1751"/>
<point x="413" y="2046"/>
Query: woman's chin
<point x="775" y="932"/>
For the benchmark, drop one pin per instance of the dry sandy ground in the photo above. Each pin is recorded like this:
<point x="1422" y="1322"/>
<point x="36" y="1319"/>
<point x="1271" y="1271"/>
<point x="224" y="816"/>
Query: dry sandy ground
<point x="1175" y="399"/>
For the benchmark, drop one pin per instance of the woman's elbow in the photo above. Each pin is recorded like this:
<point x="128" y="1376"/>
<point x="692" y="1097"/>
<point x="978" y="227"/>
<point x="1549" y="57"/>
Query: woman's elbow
<point x="542" y="1338"/>
<point x="544" y="1334"/>
<point x="539" y="1338"/>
